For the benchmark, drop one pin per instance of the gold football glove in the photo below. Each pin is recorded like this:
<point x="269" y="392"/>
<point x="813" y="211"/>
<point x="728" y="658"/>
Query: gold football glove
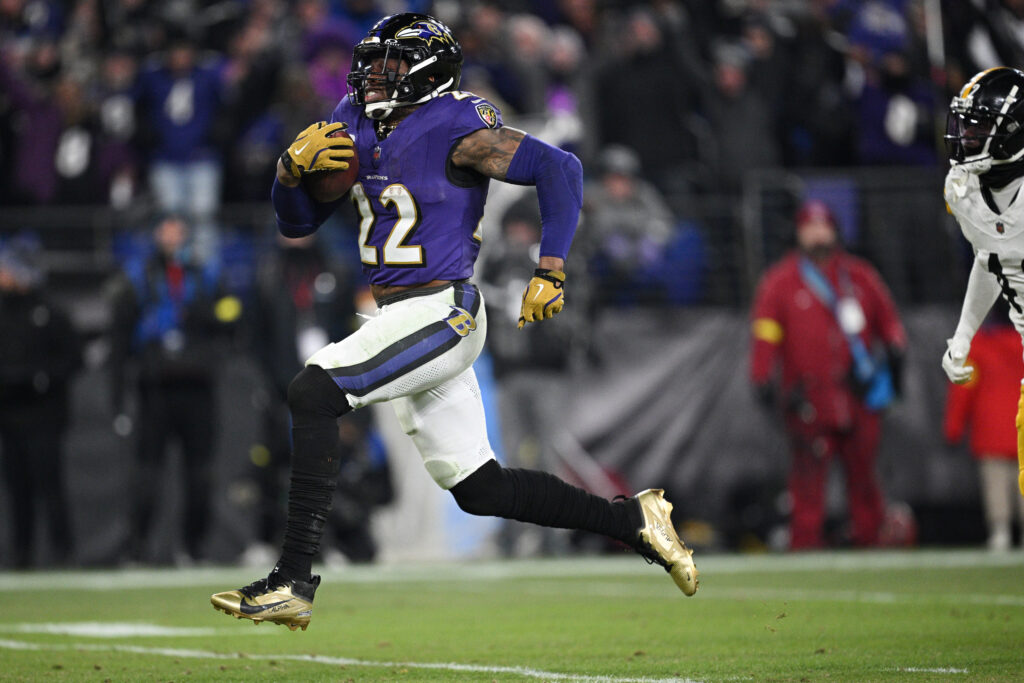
<point x="543" y="296"/>
<point x="313" y="150"/>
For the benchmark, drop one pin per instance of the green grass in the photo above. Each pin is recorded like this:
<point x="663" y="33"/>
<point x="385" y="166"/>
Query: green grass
<point x="914" y="616"/>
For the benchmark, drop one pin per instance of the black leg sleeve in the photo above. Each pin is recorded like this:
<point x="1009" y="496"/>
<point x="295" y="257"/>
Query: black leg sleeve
<point x="544" y="499"/>
<point x="315" y="402"/>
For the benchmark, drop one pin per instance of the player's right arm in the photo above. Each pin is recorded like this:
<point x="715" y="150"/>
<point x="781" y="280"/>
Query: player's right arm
<point x="312" y="150"/>
<point x="982" y="291"/>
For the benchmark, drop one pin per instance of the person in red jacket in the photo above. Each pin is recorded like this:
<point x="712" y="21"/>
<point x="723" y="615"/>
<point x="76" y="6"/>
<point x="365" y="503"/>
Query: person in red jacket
<point x="819" y="319"/>
<point x="986" y="407"/>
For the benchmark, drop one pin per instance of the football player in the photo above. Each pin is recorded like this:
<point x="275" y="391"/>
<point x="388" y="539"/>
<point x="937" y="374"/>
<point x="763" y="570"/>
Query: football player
<point x="426" y="154"/>
<point x="985" y="140"/>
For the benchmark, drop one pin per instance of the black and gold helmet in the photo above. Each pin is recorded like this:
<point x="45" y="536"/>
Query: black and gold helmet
<point x="985" y="124"/>
<point x="433" y="56"/>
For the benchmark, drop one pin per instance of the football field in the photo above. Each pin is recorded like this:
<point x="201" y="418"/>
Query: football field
<point x="949" y="615"/>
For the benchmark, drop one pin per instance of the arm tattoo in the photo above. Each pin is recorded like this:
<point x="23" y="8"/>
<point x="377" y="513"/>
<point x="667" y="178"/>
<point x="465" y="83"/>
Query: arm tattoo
<point x="488" y="151"/>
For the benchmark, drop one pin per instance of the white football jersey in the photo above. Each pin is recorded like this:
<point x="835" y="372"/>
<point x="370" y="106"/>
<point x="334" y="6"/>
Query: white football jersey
<point x="997" y="238"/>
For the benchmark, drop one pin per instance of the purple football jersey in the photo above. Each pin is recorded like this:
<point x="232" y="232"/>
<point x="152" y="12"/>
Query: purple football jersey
<point x="418" y="221"/>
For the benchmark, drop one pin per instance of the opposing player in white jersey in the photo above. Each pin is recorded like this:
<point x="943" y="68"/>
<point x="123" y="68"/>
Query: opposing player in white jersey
<point x="985" y="140"/>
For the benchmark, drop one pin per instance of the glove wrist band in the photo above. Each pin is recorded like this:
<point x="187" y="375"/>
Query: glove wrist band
<point x="288" y="164"/>
<point x="546" y="274"/>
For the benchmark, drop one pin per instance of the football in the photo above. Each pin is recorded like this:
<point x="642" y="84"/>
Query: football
<point x="329" y="186"/>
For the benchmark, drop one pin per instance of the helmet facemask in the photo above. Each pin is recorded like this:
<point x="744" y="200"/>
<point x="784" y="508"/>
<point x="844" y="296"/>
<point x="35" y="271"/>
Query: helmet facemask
<point x="979" y="137"/>
<point x="430" y="53"/>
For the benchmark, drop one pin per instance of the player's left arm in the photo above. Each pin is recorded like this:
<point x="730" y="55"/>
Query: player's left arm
<point x="982" y="292"/>
<point x="513" y="156"/>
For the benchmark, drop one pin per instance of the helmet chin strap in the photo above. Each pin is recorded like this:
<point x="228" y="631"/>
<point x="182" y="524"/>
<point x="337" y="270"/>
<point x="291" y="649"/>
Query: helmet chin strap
<point x="378" y="111"/>
<point x="976" y="166"/>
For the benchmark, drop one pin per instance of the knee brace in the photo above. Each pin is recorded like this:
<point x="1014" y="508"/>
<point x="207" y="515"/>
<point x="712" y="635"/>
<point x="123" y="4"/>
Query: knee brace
<point x="313" y="396"/>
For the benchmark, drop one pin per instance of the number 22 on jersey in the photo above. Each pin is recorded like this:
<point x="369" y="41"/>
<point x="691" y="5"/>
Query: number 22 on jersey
<point x="396" y="251"/>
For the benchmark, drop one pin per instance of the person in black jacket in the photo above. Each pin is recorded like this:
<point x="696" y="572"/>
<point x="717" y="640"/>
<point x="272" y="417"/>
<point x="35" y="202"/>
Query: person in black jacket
<point x="531" y="366"/>
<point x="168" y="317"/>
<point x="39" y="354"/>
<point x="303" y="300"/>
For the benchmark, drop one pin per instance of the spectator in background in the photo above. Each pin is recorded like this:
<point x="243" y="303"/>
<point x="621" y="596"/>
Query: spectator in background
<point x="821" y="109"/>
<point x="648" y="104"/>
<point x="895" y="100"/>
<point x="180" y="101"/>
<point x="569" y="96"/>
<point x="327" y="50"/>
<point x="531" y="366"/>
<point x="985" y="408"/>
<point x="168" y="317"/>
<point x="303" y="300"/>
<point x="995" y="36"/>
<point x="529" y="39"/>
<point x="113" y="97"/>
<point x="743" y="125"/>
<point x="585" y="17"/>
<point x="39" y="354"/>
<point x="62" y="152"/>
<point x="818" y="318"/>
<point x="252" y="74"/>
<point x="20" y="19"/>
<point x="487" y="46"/>
<point x="35" y="121"/>
<point x="896" y="115"/>
<point x="628" y="228"/>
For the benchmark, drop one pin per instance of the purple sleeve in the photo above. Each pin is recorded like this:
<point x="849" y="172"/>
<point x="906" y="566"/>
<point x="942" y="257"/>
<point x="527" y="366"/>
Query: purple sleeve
<point x="297" y="214"/>
<point x="558" y="176"/>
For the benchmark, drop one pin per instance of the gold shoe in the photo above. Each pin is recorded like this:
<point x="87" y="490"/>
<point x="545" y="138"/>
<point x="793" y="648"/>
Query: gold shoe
<point x="660" y="543"/>
<point x="289" y="603"/>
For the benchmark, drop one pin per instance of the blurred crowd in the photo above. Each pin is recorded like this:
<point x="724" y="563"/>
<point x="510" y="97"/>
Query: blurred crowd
<point x="182" y="106"/>
<point x="165" y="112"/>
<point x="115" y="101"/>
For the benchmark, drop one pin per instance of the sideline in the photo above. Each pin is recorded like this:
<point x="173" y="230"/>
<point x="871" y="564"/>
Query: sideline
<point x="498" y="570"/>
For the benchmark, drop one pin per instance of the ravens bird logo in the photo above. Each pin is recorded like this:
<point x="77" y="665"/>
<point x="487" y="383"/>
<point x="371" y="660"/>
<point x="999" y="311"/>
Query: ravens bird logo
<point x="426" y="30"/>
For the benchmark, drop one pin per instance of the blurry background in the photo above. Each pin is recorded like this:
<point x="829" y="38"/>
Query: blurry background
<point x="702" y="125"/>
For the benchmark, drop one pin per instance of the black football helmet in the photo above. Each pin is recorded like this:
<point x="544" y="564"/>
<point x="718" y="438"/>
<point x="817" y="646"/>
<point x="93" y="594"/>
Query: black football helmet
<point x="424" y="43"/>
<point x="985" y="124"/>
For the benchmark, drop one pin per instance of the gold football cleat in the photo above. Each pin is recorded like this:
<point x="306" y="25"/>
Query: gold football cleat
<point x="660" y="543"/>
<point x="289" y="603"/>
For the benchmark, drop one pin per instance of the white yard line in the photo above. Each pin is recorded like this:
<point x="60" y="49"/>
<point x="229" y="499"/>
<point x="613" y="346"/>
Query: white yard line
<point x="113" y="629"/>
<point x="525" y="672"/>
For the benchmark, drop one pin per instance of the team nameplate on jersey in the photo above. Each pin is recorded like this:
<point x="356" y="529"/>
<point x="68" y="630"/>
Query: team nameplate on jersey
<point x="487" y="115"/>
